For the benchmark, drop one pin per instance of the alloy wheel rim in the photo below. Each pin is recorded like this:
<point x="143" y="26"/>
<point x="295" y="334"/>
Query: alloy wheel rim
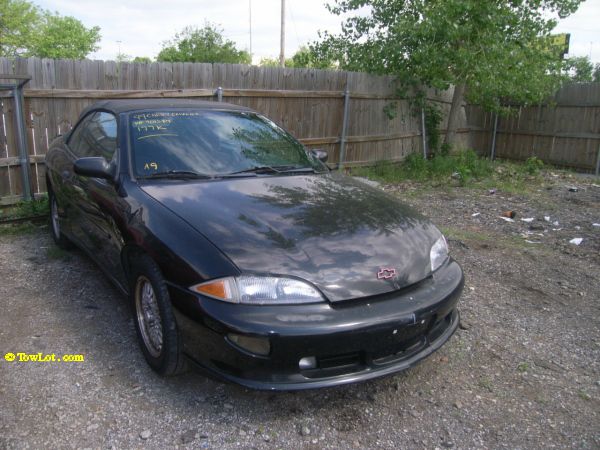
<point x="54" y="216"/>
<point x="148" y="316"/>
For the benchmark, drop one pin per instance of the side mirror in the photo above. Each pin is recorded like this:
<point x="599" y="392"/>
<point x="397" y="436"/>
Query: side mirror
<point x="321" y="155"/>
<point x="96" y="167"/>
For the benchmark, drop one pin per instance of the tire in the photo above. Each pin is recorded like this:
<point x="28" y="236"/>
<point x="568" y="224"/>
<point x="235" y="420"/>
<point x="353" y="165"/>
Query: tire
<point x="155" y="323"/>
<point x="59" y="238"/>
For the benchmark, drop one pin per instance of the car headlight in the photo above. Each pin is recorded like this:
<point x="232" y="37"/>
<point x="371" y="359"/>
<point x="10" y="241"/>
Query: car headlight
<point x="257" y="290"/>
<point x="438" y="253"/>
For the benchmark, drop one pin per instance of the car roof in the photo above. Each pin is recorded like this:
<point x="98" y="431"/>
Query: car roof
<point x="118" y="106"/>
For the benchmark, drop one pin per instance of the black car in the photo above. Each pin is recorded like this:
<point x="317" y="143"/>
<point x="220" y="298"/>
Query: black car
<point x="243" y="253"/>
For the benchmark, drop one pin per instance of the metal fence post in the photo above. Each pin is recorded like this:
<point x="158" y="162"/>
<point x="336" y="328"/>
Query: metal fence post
<point x="219" y="94"/>
<point x="344" y="128"/>
<point x="424" y="133"/>
<point x="22" y="141"/>
<point x="493" y="149"/>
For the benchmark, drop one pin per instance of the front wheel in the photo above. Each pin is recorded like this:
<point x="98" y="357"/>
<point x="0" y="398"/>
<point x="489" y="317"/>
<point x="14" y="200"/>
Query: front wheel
<point x="155" y="323"/>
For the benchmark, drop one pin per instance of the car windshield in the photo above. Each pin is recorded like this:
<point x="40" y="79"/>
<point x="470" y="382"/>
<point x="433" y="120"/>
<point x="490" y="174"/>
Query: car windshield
<point x="213" y="143"/>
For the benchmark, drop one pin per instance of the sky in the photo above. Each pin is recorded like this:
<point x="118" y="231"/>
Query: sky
<point x="138" y="28"/>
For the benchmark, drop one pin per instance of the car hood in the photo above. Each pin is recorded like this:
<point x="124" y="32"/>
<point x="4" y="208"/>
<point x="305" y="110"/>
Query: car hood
<point x="349" y="239"/>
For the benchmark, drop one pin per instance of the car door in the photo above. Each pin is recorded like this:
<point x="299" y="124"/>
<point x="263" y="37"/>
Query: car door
<point x="98" y="203"/>
<point x="67" y="187"/>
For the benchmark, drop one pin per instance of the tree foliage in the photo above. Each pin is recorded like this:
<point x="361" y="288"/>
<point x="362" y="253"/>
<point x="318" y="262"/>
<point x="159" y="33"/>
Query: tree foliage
<point x="26" y="30"/>
<point x="490" y="50"/>
<point x="580" y="69"/>
<point x="18" y="21"/>
<point x="305" y="57"/>
<point x="63" y="37"/>
<point x="308" y="57"/>
<point x="205" y="45"/>
<point x="142" y="59"/>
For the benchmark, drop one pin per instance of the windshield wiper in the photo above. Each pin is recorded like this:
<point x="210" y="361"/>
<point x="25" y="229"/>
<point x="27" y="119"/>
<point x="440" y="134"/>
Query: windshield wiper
<point x="259" y="169"/>
<point x="269" y="170"/>
<point x="179" y="174"/>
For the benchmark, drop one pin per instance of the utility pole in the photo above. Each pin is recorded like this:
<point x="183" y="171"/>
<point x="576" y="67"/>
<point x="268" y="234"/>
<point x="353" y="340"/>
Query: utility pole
<point x="282" y="41"/>
<point x="250" y="21"/>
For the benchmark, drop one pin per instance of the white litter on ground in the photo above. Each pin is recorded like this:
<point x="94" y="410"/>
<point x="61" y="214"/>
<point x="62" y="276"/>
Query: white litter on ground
<point x="576" y="241"/>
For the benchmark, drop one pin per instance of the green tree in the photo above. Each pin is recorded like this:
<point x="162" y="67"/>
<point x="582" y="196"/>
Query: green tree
<point x="269" y="62"/>
<point x="489" y="50"/>
<point x="142" y="59"/>
<point x="26" y="30"/>
<point x="580" y="69"/>
<point x="597" y="73"/>
<point x="63" y="37"/>
<point x="305" y="57"/>
<point x="308" y="57"/>
<point x="18" y="22"/>
<point x="205" y="44"/>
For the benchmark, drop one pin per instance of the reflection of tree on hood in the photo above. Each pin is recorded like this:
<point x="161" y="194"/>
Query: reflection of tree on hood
<point x="324" y="207"/>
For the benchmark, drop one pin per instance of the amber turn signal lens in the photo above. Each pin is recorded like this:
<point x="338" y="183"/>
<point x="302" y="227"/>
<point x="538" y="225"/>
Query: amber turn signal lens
<point x="216" y="289"/>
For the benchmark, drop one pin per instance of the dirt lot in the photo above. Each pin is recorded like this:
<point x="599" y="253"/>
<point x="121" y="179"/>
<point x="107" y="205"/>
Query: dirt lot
<point x="522" y="372"/>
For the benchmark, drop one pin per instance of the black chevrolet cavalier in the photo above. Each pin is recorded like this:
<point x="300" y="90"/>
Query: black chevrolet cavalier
<point x="243" y="253"/>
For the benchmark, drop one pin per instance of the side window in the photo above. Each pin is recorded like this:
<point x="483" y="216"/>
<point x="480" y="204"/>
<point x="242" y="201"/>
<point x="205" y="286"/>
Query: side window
<point x="98" y="136"/>
<point x="75" y="142"/>
<point x="103" y="135"/>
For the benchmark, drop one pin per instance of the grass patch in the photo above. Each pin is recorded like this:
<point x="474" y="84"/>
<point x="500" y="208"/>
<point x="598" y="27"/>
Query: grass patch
<point x="583" y="395"/>
<point x="486" y="383"/>
<point x="460" y="234"/>
<point x="464" y="169"/>
<point x="18" y="229"/>
<point x="31" y="208"/>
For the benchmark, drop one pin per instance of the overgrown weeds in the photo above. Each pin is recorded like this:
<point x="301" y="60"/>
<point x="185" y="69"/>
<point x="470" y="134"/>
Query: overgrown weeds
<point x="464" y="168"/>
<point x="31" y="208"/>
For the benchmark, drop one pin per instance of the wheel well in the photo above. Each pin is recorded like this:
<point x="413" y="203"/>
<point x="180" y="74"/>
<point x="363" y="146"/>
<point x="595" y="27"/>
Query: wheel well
<point x="128" y="254"/>
<point x="48" y="184"/>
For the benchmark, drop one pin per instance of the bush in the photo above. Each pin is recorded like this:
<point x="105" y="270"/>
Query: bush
<point x="464" y="165"/>
<point x="533" y="165"/>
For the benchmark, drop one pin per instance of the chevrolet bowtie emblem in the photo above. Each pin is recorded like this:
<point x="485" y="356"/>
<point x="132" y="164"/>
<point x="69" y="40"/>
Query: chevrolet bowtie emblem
<point x="385" y="273"/>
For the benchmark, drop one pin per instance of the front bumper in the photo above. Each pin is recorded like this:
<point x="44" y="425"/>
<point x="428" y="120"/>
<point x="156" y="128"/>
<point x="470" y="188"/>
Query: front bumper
<point x="351" y="341"/>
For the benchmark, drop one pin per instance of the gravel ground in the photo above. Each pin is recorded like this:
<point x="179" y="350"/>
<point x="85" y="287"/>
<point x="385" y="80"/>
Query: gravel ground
<point x="522" y="372"/>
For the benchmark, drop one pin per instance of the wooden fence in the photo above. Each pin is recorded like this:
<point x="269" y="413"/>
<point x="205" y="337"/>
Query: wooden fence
<point x="307" y="102"/>
<point x="565" y="131"/>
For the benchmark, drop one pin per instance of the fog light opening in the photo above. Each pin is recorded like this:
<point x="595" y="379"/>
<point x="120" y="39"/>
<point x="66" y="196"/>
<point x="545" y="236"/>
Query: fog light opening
<point x="308" y="362"/>
<point x="255" y="345"/>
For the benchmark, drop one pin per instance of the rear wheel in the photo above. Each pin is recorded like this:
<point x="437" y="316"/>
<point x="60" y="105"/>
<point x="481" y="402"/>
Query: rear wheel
<point x="59" y="238"/>
<point x="155" y="323"/>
